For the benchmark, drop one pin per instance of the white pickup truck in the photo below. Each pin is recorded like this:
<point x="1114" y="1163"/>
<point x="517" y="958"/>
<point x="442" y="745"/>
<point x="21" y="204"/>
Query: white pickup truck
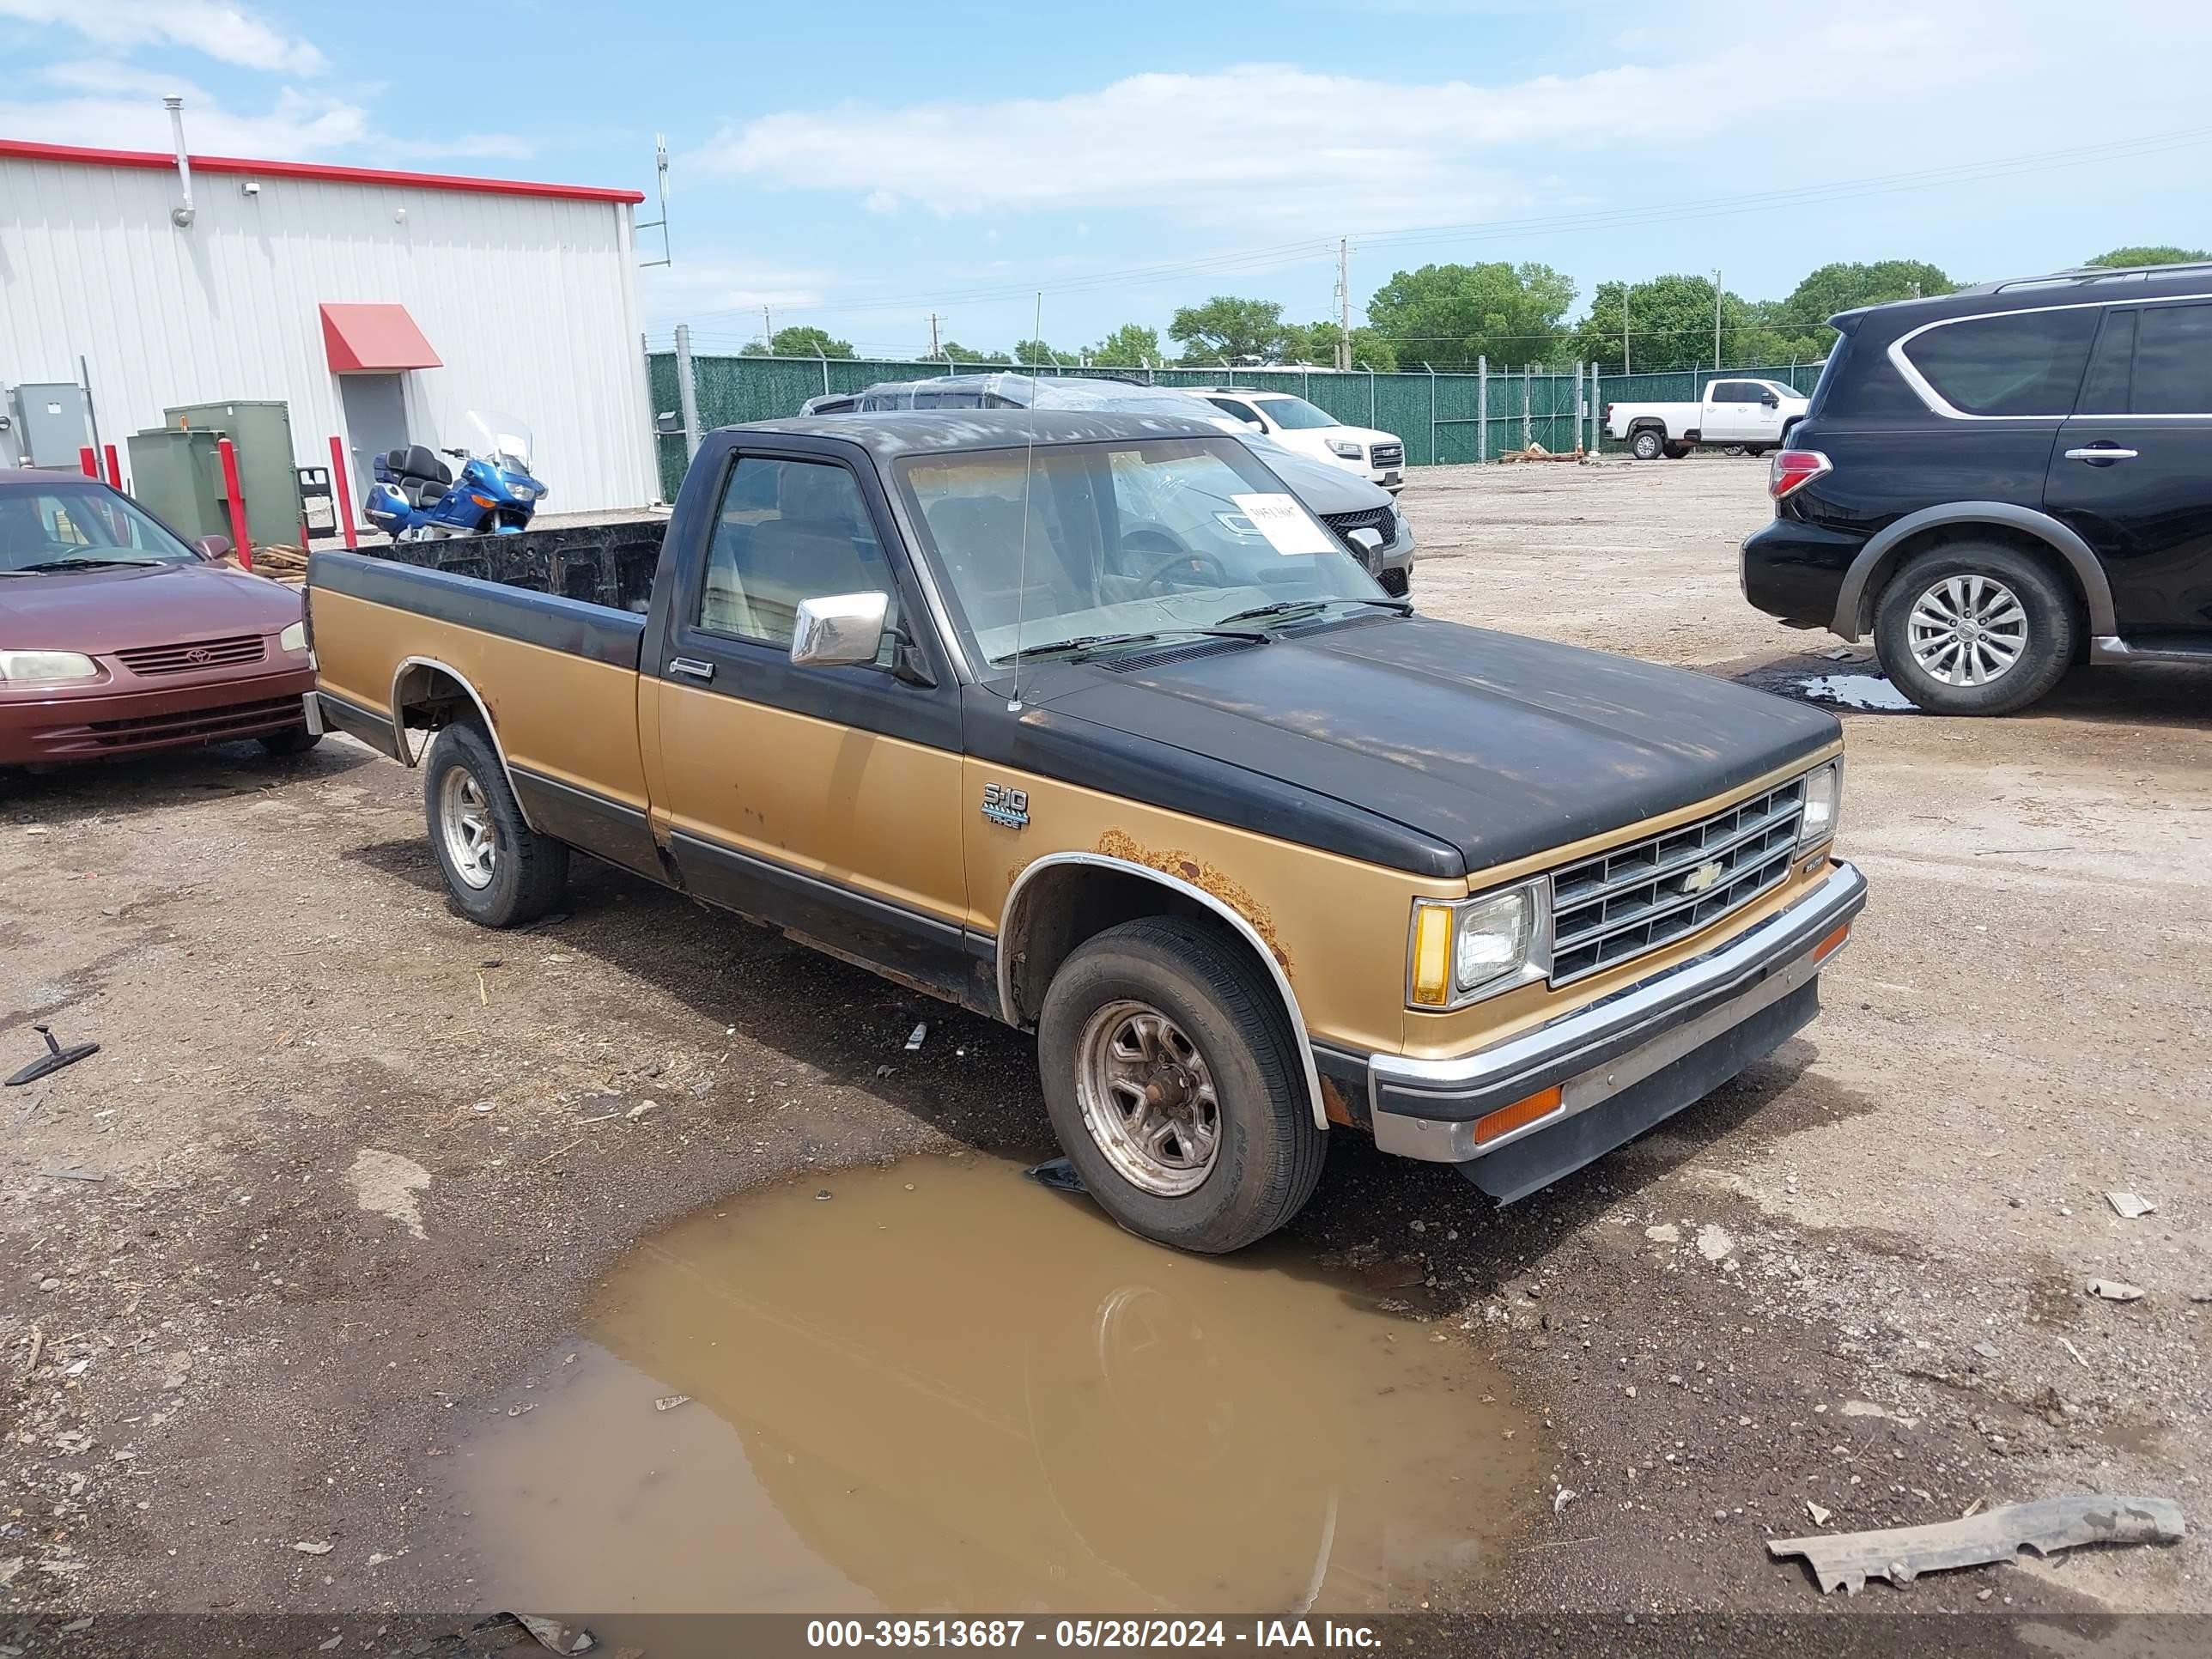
<point x="1755" y="414"/>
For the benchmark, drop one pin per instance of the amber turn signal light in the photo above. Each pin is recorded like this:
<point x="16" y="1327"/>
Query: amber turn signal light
<point x="1519" y="1115"/>
<point x="1828" y="946"/>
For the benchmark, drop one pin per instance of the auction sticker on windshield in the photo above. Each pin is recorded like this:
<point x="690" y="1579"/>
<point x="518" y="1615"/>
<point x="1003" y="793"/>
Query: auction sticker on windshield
<point x="1285" y="524"/>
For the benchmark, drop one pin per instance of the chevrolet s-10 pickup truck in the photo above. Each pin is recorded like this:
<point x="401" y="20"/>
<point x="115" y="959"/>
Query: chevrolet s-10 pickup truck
<point x="1082" y="721"/>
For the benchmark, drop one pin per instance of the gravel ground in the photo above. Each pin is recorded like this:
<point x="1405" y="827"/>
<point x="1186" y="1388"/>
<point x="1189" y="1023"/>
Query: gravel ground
<point x="346" y="1192"/>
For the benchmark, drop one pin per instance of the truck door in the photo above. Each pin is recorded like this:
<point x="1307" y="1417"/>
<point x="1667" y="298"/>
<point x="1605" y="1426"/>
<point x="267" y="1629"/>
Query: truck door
<point x="824" y="800"/>
<point x="1731" y="412"/>
<point x="2131" y="472"/>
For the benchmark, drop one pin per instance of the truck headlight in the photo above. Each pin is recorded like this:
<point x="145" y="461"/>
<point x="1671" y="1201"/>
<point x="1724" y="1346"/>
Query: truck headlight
<point x="33" y="667"/>
<point x="1824" y="802"/>
<point x="294" y="638"/>
<point x="1465" y="950"/>
<point x="1346" y="448"/>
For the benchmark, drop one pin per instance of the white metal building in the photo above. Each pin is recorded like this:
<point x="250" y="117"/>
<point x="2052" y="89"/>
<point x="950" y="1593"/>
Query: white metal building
<point x="379" y="306"/>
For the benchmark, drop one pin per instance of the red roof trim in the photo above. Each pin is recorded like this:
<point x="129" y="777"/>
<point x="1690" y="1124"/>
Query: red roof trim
<point x="162" y="161"/>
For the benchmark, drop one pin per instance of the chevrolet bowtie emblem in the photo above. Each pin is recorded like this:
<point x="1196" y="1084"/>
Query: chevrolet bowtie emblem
<point x="1705" y="875"/>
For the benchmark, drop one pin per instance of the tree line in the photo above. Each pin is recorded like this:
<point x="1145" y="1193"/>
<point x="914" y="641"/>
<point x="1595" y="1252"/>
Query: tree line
<point x="1447" y="316"/>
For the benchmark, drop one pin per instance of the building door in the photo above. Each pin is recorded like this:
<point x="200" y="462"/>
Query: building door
<point x="376" y="420"/>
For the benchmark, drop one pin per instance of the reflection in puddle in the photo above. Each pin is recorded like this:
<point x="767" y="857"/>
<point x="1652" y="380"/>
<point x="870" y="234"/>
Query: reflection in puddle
<point x="1868" y="691"/>
<point x="947" y="1389"/>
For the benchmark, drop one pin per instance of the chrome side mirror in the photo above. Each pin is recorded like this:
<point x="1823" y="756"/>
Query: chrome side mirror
<point x="838" y="628"/>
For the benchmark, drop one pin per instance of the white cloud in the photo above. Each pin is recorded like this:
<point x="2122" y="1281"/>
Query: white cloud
<point x="1893" y="85"/>
<point x="462" y="146"/>
<point x="229" y="33"/>
<point x="294" y="126"/>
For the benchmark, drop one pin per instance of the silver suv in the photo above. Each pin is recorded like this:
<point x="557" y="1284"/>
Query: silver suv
<point x="1362" y="515"/>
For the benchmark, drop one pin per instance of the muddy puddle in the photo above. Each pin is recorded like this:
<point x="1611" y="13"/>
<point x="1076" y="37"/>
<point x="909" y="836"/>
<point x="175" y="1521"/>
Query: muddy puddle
<point x="946" y="1388"/>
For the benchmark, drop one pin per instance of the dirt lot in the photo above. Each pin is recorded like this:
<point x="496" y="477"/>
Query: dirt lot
<point x="359" y="1163"/>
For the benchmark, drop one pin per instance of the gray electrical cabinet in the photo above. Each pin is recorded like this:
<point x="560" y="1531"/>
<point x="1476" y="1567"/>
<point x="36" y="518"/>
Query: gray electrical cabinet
<point x="48" y="425"/>
<point x="178" y="476"/>
<point x="268" y="475"/>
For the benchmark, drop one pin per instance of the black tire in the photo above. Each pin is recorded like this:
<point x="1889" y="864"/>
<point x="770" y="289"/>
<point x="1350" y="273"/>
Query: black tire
<point x="1675" y="452"/>
<point x="293" y="740"/>
<point x="528" y="870"/>
<point x="2045" y="640"/>
<point x="1647" y="444"/>
<point x="1269" y="1151"/>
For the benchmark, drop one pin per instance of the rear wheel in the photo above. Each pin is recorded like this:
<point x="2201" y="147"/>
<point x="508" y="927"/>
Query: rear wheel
<point x="501" y="872"/>
<point x="1174" y="1087"/>
<point x="1975" y="627"/>
<point x="1648" y="444"/>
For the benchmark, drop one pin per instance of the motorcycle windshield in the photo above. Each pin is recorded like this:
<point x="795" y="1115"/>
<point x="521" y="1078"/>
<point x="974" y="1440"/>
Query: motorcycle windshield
<point x="500" y="439"/>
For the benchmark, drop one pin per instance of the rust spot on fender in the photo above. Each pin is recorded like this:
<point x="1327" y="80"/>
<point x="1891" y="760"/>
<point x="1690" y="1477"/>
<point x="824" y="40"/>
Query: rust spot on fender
<point x="1206" y="878"/>
<point x="1333" y="1104"/>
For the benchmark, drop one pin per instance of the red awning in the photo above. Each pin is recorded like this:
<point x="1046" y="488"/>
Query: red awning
<point x="374" y="339"/>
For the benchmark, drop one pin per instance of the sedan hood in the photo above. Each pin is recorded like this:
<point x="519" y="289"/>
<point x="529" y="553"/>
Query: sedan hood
<point x="100" y="611"/>
<point x="1502" y="747"/>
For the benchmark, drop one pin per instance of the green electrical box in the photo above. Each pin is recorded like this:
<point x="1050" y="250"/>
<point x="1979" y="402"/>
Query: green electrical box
<point x="268" y="475"/>
<point x="178" y="475"/>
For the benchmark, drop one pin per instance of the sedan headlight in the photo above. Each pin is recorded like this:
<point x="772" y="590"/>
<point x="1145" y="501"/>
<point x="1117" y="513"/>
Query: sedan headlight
<point x="33" y="667"/>
<point x="294" y="638"/>
<point x="1465" y="950"/>
<point x="1346" y="448"/>
<point x="1824" y="803"/>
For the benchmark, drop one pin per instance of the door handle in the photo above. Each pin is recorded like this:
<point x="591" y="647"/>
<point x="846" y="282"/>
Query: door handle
<point x="2096" y="452"/>
<point x="692" y="668"/>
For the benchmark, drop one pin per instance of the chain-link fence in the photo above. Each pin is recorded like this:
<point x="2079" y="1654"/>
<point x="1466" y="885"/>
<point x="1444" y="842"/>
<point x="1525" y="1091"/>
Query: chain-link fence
<point x="1442" y="417"/>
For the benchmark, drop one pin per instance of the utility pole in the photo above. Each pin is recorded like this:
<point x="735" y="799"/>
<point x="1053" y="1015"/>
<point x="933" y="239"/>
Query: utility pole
<point x="768" y="330"/>
<point x="1343" y="304"/>
<point x="1717" y="322"/>
<point x="933" y="334"/>
<point x="1627" y="367"/>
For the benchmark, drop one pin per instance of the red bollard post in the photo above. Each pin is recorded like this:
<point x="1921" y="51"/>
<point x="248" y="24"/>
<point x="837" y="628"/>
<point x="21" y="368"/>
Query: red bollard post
<point x="114" y="468"/>
<point x="238" y="541"/>
<point x="88" y="461"/>
<point x="344" y="489"/>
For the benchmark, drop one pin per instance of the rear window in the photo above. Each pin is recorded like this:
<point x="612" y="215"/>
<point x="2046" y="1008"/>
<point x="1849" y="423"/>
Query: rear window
<point x="2174" y="362"/>
<point x="1859" y="382"/>
<point x="2027" y="363"/>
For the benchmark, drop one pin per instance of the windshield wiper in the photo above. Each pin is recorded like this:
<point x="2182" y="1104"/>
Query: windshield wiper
<point x="80" y="564"/>
<point x="1085" y="642"/>
<point x="1290" y="610"/>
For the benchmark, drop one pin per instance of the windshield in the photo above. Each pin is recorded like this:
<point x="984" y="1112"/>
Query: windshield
<point x="1136" y="537"/>
<point x="70" y="524"/>
<point x="1296" y="414"/>
<point x="500" y="439"/>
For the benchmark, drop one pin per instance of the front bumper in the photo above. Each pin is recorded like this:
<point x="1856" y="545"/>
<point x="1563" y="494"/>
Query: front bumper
<point x="94" y="725"/>
<point x="1624" y="1062"/>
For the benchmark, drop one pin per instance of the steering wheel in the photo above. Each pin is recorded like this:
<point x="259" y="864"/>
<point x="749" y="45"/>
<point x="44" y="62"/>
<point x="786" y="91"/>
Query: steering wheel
<point x="1151" y="538"/>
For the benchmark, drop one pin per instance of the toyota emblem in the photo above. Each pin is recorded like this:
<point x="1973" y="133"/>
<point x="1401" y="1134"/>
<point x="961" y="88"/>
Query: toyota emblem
<point x="199" y="653"/>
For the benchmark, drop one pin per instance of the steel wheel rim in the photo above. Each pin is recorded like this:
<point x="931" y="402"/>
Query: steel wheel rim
<point x="1148" y="1098"/>
<point x="465" y="819"/>
<point x="1967" y="630"/>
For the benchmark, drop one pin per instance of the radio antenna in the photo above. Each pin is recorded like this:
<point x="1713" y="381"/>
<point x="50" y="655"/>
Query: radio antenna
<point x="1021" y="563"/>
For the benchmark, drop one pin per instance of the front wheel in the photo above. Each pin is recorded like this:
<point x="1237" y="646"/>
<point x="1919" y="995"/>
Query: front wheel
<point x="501" y="872"/>
<point x="1647" y="445"/>
<point x="1975" y="627"/>
<point x="1174" y="1087"/>
<point x="292" y="740"/>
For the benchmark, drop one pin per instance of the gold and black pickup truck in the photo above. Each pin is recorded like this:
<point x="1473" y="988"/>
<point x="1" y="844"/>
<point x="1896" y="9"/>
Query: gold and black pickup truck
<point x="1084" y="722"/>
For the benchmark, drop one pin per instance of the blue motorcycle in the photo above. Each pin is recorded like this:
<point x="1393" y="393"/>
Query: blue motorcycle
<point x="416" y="497"/>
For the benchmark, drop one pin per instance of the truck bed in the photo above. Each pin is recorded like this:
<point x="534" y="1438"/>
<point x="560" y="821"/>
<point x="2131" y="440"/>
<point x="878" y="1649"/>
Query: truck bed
<point x="609" y="564"/>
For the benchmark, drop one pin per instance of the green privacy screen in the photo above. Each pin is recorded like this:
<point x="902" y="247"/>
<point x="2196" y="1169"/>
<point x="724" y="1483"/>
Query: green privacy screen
<point x="1443" y="418"/>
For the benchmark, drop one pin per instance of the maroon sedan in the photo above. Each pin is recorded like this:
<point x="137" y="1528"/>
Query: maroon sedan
<point x="117" y="638"/>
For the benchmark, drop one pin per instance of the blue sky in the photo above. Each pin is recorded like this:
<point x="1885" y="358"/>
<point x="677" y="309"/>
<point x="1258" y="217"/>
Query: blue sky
<point x="862" y="165"/>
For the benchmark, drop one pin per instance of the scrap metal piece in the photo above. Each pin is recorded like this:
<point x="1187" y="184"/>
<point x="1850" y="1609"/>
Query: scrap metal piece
<point x="1901" y="1555"/>
<point x="1058" y="1174"/>
<point x="53" y="1060"/>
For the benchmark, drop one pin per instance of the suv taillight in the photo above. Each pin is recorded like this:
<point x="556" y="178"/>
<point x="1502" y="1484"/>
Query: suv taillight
<point x="1791" y="470"/>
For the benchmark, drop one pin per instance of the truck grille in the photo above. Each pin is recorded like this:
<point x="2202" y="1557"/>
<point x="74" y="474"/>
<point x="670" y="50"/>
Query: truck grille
<point x="1387" y="455"/>
<point x="1622" y="902"/>
<point x="193" y="655"/>
<point x="1376" y="518"/>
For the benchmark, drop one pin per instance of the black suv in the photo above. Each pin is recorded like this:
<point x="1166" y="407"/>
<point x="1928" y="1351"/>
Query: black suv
<point x="2003" y="482"/>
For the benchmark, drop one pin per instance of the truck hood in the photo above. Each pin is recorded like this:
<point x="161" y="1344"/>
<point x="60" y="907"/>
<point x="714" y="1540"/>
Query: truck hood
<point x="101" y="611"/>
<point x="1502" y="747"/>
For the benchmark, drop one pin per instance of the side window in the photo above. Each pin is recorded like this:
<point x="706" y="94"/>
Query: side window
<point x="1235" y="409"/>
<point x="2027" y="363"/>
<point x="1734" y="392"/>
<point x="786" y="531"/>
<point x="2105" y="389"/>
<point x="2173" y="360"/>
